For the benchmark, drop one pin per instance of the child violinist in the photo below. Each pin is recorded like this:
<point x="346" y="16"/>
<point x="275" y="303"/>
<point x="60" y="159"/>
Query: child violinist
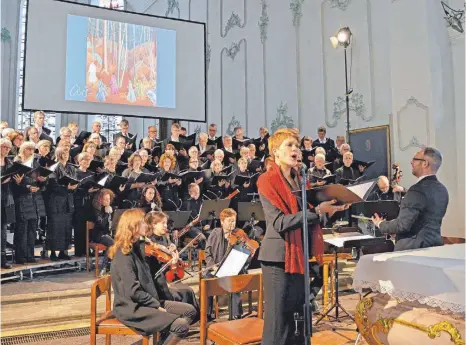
<point x="136" y="302"/>
<point x="157" y="233"/>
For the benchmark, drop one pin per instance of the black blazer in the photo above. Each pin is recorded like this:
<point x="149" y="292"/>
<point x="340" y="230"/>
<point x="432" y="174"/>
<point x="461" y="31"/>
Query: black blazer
<point x="420" y="218"/>
<point x="119" y="134"/>
<point x="277" y="223"/>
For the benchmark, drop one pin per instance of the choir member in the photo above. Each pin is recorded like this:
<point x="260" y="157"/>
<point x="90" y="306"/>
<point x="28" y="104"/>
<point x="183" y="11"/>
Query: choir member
<point x="347" y="172"/>
<point x="212" y="131"/>
<point x="60" y="206"/>
<point x="134" y="169"/>
<point x="43" y="148"/>
<point x="318" y="170"/>
<point x="338" y="162"/>
<point x="29" y="205"/>
<point x="150" y="198"/>
<point x="222" y="189"/>
<point x="96" y="127"/>
<point x="193" y="204"/>
<point x="82" y="199"/>
<point x="169" y="189"/>
<point x="33" y="135"/>
<point x="136" y="301"/>
<point x="16" y="138"/>
<point x="264" y="145"/>
<point x="124" y="133"/>
<point x="44" y="132"/>
<point x="101" y="216"/>
<point x="8" y="202"/>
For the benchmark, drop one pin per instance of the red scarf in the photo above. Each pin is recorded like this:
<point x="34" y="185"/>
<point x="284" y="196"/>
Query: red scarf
<point x="276" y="189"/>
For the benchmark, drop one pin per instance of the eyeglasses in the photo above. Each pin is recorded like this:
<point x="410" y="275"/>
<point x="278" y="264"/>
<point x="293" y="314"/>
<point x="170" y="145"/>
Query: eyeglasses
<point x="418" y="159"/>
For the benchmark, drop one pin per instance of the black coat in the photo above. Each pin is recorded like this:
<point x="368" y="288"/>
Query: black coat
<point x="136" y="300"/>
<point x="8" y="203"/>
<point x="421" y="213"/>
<point x="29" y="205"/>
<point x="101" y="221"/>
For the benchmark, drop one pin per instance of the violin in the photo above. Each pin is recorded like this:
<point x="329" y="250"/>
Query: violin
<point x="159" y="252"/>
<point x="239" y="237"/>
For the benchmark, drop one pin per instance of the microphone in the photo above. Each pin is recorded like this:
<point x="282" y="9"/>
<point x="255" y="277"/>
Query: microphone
<point x="176" y="207"/>
<point x="214" y="194"/>
<point x="303" y="169"/>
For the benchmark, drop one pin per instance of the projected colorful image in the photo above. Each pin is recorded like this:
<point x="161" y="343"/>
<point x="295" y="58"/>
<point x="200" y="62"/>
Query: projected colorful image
<point x="120" y="63"/>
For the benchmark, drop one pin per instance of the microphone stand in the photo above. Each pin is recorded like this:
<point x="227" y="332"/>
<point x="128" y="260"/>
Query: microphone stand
<point x="307" y="316"/>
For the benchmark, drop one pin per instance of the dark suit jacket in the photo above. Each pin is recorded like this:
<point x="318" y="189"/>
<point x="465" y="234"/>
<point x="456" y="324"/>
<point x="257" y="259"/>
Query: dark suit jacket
<point x="45" y="135"/>
<point x="119" y="134"/>
<point x="420" y="218"/>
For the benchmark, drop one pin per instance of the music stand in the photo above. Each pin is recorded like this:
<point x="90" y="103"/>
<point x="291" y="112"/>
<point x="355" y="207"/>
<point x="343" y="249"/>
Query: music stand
<point x="178" y="219"/>
<point x="252" y="212"/>
<point x="211" y="209"/>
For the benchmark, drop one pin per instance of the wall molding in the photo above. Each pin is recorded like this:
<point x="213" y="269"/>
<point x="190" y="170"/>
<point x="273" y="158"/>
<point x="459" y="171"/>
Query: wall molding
<point x="263" y="26"/>
<point x="356" y="104"/>
<point x="296" y="10"/>
<point x="231" y="53"/>
<point x="340" y="4"/>
<point x="172" y="5"/>
<point x="233" y="21"/>
<point x="282" y="119"/>
<point x="414" y="141"/>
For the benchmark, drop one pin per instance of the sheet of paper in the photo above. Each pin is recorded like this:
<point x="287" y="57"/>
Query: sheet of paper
<point x="340" y="241"/>
<point x="233" y="264"/>
<point x="361" y="189"/>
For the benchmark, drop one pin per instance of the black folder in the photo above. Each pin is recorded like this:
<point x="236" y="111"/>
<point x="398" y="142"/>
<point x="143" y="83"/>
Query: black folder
<point x="356" y="164"/>
<point x="95" y="164"/>
<point x="115" y="182"/>
<point x="145" y="178"/>
<point x="217" y="178"/>
<point x="326" y="193"/>
<point x="190" y="176"/>
<point x="66" y="180"/>
<point x="254" y="165"/>
<point x="346" y="181"/>
<point x="227" y="170"/>
<point x="209" y="151"/>
<point x="40" y="171"/>
<point x="387" y="209"/>
<point x="168" y="175"/>
<point x="191" y="137"/>
<point x="227" y="156"/>
<point x="218" y="143"/>
<point x="240" y="179"/>
<point x="120" y="167"/>
<point x="16" y="168"/>
<point x="237" y="144"/>
<point x="84" y="135"/>
<point x="328" y="178"/>
<point x="46" y="162"/>
<point x="177" y="144"/>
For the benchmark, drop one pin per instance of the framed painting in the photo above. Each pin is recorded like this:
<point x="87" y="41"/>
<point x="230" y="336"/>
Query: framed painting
<point x="372" y="144"/>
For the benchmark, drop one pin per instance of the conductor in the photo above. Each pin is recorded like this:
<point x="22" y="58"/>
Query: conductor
<point x="423" y="207"/>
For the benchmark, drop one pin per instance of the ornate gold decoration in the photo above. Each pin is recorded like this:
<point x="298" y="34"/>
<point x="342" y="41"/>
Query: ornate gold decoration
<point x="384" y="325"/>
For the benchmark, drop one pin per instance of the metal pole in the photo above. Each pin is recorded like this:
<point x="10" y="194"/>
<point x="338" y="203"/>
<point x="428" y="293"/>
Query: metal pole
<point x="347" y="102"/>
<point x="307" y="291"/>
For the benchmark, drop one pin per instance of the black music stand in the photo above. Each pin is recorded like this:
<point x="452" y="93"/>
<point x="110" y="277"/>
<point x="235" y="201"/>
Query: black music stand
<point x="252" y="212"/>
<point x="211" y="209"/>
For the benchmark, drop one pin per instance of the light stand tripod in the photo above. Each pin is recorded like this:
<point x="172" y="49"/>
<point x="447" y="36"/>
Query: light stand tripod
<point x="337" y="304"/>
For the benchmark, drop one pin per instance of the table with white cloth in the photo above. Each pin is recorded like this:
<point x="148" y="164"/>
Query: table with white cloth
<point x="419" y="296"/>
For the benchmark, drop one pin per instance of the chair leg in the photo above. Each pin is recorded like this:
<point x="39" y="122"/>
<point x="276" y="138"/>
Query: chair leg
<point x="88" y="263"/>
<point x="216" y="306"/>
<point x="108" y="339"/>
<point x="250" y="301"/>
<point x="96" y="263"/>
<point x="93" y="338"/>
<point x="145" y="340"/>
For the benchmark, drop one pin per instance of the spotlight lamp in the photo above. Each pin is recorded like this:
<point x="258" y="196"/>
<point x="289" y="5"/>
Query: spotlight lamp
<point x="342" y="38"/>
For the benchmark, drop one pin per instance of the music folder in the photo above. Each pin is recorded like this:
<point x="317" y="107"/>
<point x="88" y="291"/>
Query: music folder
<point x="218" y="143"/>
<point x="326" y="193"/>
<point x="241" y="180"/>
<point x="46" y="162"/>
<point x="192" y="175"/>
<point x="41" y="171"/>
<point x="169" y="175"/>
<point x="255" y="164"/>
<point x="66" y="180"/>
<point x="211" y="208"/>
<point x="191" y="137"/>
<point x="145" y="178"/>
<point x="178" y="219"/>
<point x="209" y="151"/>
<point x="237" y="144"/>
<point x="234" y="262"/>
<point x="217" y="178"/>
<point x="387" y="209"/>
<point x="84" y="135"/>
<point x="115" y="182"/>
<point x="95" y="164"/>
<point x="356" y="163"/>
<point x="327" y="178"/>
<point x="16" y="168"/>
<point x="247" y="210"/>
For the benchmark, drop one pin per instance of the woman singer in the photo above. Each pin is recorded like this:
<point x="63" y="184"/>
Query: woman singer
<point x="281" y="251"/>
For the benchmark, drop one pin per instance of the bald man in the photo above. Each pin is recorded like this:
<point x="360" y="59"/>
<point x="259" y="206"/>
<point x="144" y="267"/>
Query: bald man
<point x="385" y="192"/>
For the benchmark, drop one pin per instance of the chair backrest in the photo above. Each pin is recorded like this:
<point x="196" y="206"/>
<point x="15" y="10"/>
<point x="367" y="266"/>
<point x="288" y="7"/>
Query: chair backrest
<point x="100" y="287"/>
<point x="89" y="227"/>
<point x="226" y="285"/>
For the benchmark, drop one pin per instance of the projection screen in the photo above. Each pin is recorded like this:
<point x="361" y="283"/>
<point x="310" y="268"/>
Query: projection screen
<point x="91" y="60"/>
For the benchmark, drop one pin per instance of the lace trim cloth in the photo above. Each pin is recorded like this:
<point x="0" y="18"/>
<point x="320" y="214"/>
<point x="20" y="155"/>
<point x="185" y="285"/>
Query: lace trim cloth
<point x="387" y="288"/>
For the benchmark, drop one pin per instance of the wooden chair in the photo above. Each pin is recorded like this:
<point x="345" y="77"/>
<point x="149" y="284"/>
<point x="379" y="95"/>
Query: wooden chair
<point x="107" y="324"/>
<point x="201" y="259"/>
<point x="246" y="331"/>
<point x="97" y="247"/>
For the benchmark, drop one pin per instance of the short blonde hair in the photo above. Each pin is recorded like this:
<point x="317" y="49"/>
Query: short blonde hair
<point x="6" y="141"/>
<point x="43" y="143"/>
<point x="132" y="158"/>
<point x="242" y="160"/>
<point x="320" y="156"/>
<point x="227" y="213"/>
<point x="24" y="146"/>
<point x="203" y="135"/>
<point x="320" y="150"/>
<point x="279" y="137"/>
<point x="82" y="155"/>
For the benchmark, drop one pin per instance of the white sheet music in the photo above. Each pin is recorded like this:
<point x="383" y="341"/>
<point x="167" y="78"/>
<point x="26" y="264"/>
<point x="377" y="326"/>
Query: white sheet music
<point x="233" y="264"/>
<point x="102" y="181"/>
<point x="361" y="189"/>
<point x="340" y="241"/>
<point x="53" y="167"/>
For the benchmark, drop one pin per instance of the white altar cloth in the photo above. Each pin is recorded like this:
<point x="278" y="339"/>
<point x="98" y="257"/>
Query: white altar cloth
<point x="432" y="276"/>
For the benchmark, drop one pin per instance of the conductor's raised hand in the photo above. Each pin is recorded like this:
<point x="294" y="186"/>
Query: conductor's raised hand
<point x="376" y="219"/>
